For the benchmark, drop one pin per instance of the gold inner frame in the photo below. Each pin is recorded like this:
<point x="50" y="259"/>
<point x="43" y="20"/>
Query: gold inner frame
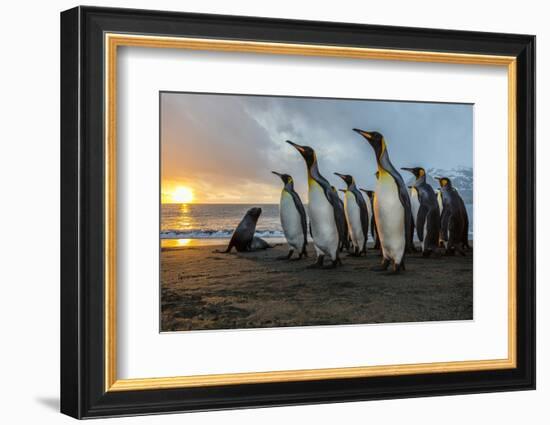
<point x="113" y="41"/>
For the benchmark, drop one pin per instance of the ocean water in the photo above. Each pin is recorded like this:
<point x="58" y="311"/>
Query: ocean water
<point x="210" y="223"/>
<point x="202" y="224"/>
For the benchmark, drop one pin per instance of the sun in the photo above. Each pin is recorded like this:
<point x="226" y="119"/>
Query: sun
<point x="182" y="195"/>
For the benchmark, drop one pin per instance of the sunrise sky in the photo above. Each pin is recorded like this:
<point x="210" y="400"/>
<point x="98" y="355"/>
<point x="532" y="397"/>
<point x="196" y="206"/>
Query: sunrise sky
<point x="222" y="148"/>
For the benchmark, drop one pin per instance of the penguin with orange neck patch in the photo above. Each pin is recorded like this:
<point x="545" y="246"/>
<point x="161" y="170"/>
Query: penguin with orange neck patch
<point x="326" y="217"/>
<point x="454" y="218"/>
<point x="426" y="214"/>
<point x="392" y="206"/>
<point x="293" y="218"/>
<point x="357" y="215"/>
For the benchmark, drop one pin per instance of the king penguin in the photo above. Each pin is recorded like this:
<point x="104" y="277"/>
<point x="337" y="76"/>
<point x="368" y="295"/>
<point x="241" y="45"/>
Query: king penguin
<point x="392" y="206"/>
<point x="293" y="217"/>
<point x="426" y="217"/>
<point x="454" y="218"/>
<point x="357" y="215"/>
<point x="324" y="208"/>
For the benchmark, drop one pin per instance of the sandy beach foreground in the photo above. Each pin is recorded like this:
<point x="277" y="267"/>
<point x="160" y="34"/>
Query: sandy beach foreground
<point x="205" y="290"/>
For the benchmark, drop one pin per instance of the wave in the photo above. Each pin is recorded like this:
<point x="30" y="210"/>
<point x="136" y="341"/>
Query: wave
<point x="226" y="233"/>
<point x="214" y="234"/>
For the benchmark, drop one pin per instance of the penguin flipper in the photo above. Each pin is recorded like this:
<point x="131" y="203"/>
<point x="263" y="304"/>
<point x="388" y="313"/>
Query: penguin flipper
<point x="466" y="225"/>
<point x="420" y="220"/>
<point x="303" y="217"/>
<point x="445" y="217"/>
<point x="334" y="200"/>
<point x="364" y="213"/>
<point x="406" y="202"/>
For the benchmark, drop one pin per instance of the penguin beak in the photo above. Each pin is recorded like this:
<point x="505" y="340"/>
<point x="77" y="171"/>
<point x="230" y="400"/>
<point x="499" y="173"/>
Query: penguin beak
<point x="410" y="170"/>
<point x="298" y="147"/>
<point x="340" y="175"/>
<point x="363" y="133"/>
<point x="276" y="173"/>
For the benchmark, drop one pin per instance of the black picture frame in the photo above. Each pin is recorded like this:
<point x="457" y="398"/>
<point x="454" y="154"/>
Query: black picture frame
<point x="83" y="392"/>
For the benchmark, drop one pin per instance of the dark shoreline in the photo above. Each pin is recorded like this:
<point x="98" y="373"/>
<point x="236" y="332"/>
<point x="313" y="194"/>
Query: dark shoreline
<point x="205" y="290"/>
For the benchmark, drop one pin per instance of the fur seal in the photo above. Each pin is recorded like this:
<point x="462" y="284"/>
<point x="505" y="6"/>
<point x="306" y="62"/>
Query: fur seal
<point x="243" y="238"/>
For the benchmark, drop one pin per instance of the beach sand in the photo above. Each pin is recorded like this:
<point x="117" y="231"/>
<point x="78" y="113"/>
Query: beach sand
<point x="205" y="290"/>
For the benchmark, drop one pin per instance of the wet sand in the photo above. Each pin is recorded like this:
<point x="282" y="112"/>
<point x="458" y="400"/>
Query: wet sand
<point x="205" y="290"/>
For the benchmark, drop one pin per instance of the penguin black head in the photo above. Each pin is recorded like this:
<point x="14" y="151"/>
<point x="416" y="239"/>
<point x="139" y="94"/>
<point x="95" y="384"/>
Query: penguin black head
<point x="346" y="177"/>
<point x="417" y="171"/>
<point x="254" y="212"/>
<point x="307" y="153"/>
<point x="284" y="177"/>
<point x="444" y="181"/>
<point x="375" y="139"/>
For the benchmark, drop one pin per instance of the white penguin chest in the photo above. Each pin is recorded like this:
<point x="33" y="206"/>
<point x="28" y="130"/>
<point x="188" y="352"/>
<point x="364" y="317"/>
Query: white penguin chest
<point x="321" y="215"/>
<point x="353" y="216"/>
<point x="415" y="204"/>
<point x="369" y="208"/>
<point x="389" y="212"/>
<point x="291" y="220"/>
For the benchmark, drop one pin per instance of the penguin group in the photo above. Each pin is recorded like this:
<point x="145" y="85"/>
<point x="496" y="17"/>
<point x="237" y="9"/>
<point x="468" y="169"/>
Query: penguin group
<point x="390" y="213"/>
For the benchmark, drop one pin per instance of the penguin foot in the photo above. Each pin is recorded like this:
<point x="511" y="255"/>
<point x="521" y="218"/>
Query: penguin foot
<point x="379" y="269"/>
<point x="397" y="268"/>
<point x="382" y="267"/>
<point x="286" y="257"/>
<point x="318" y="263"/>
<point x="333" y="264"/>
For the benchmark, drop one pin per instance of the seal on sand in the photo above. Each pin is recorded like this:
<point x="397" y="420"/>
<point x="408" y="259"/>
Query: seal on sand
<point x="243" y="238"/>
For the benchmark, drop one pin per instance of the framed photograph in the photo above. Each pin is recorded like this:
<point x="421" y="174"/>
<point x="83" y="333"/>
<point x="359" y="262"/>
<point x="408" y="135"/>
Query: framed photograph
<point x="261" y="212"/>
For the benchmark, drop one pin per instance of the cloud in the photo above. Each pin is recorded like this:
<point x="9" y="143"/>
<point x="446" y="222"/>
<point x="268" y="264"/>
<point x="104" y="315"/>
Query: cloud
<point x="225" y="146"/>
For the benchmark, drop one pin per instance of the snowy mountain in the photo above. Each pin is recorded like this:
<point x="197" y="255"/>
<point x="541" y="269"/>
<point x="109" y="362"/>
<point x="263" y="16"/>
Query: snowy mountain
<point x="462" y="179"/>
